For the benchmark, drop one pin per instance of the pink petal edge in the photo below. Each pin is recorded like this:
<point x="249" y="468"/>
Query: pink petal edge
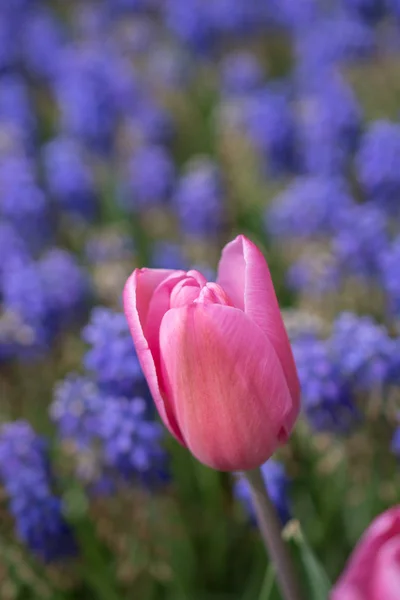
<point x="244" y="274"/>
<point x="356" y="580"/>
<point x="137" y="295"/>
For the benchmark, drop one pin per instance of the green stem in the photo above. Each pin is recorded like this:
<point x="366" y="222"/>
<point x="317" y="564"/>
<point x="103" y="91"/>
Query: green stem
<point x="270" y="529"/>
<point x="268" y="583"/>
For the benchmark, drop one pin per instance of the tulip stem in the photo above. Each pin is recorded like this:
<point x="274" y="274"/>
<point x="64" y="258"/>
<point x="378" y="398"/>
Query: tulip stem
<point x="271" y="532"/>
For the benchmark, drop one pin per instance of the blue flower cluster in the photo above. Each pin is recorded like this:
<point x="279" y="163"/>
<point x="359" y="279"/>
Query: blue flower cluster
<point x="106" y="416"/>
<point x="327" y="398"/>
<point x="111" y="358"/>
<point x="329" y="127"/>
<point x="270" y="125"/>
<point x="198" y="199"/>
<point x="113" y="438"/>
<point x="359" y="357"/>
<point x="341" y="207"/>
<point x="366" y="361"/>
<point x="311" y="207"/>
<point x="22" y="202"/>
<point x="376" y="162"/>
<point x="39" y="298"/>
<point x="361" y="240"/>
<point x="150" y="178"/>
<point x="26" y="477"/>
<point x="390" y="276"/>
<point x="69" y="180"/>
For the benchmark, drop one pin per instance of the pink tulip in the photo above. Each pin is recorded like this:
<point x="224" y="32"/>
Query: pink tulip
<point x="373" y="571"/>
<point x="217" y="357"/>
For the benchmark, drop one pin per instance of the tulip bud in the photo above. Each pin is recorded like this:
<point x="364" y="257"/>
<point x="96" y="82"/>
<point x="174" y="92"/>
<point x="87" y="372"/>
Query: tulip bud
<point x="373" y="571"/>
<point x="217" y="357"/>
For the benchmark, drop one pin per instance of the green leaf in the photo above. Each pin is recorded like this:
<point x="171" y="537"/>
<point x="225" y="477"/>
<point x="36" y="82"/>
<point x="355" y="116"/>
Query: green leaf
<point x="316" y="579"/>
<point x="268" y="584"/>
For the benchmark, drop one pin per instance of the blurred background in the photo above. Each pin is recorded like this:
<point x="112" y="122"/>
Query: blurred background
<point x="151" y="132"/>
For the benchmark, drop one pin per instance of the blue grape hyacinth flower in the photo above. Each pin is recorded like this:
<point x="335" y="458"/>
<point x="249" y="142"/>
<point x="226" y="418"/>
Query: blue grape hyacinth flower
<point x="198" y="199"/>
<point x="389" y="274"/>
<point x="114" y="439"/>
<point x="327" y="398"/>
<point x="69" y="178"/>
<point x="310" y="207"/>
<point x="376" y="163"/>
<point x="111" y="357"/>
<point x="26" y="476"/>
<point x="362" y="350"/>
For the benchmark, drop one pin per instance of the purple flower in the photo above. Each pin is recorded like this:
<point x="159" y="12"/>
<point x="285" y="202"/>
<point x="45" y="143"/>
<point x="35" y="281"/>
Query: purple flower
<point x="315" y="273"/>
<point x="124" y="83"/>
<point x="132" y="5"/>
<point x="332" y="40"/>
<point x="394" y="368"/>
<point x="8" y="41"/>
<point x="277" y="484"/>
<point x="329" y="126"/>
<point x="204" y="26"/>
<point x="24" y="298"/>
<point x="40" y="299"/>
<point x="91" y="21"/>
<point x="190" y="21"/>
<point x="111" y="358"/>
<point x="309" y="207"/>
<point x="150" y="177"/>
<point x="361" y="239"/>
<point x="131" y="442"/>
<point x="113" y="437"/>
<point x="394" y="7"/>
<point x="369" y="10"/>
<point x="27" y="479"/>
<point x="377" y="163"/>
<point x="69" y="177"/>
<point x="15" y="104"/>
<point x="270" y="126"/>
<point x="22" y="202"/>
<point x="43" y="37"/>
<point x="167" y="255"/>
<point x="235" y="17"/>
<point x="12" y="249"/>
<point x="67" y="288"/>
<point x="327" y="397"/>
<point x="198" y="199"/>
<point x="363" y="351"/>
<point x="148" y="123"/>
<point x="296" y="16"/>
<point x="76" y="410"/>
<point x="85" y="97"/>
<point x="389" y="263"/>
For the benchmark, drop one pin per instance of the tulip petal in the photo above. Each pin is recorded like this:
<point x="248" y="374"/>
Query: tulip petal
<point x="159" y="305"/>
<point x="386" y="581"/>
<point x="244" y="274"/>
<point x="137" y="296"/>
<point x="361" y="575"/>
<point x="227" y="385"/>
